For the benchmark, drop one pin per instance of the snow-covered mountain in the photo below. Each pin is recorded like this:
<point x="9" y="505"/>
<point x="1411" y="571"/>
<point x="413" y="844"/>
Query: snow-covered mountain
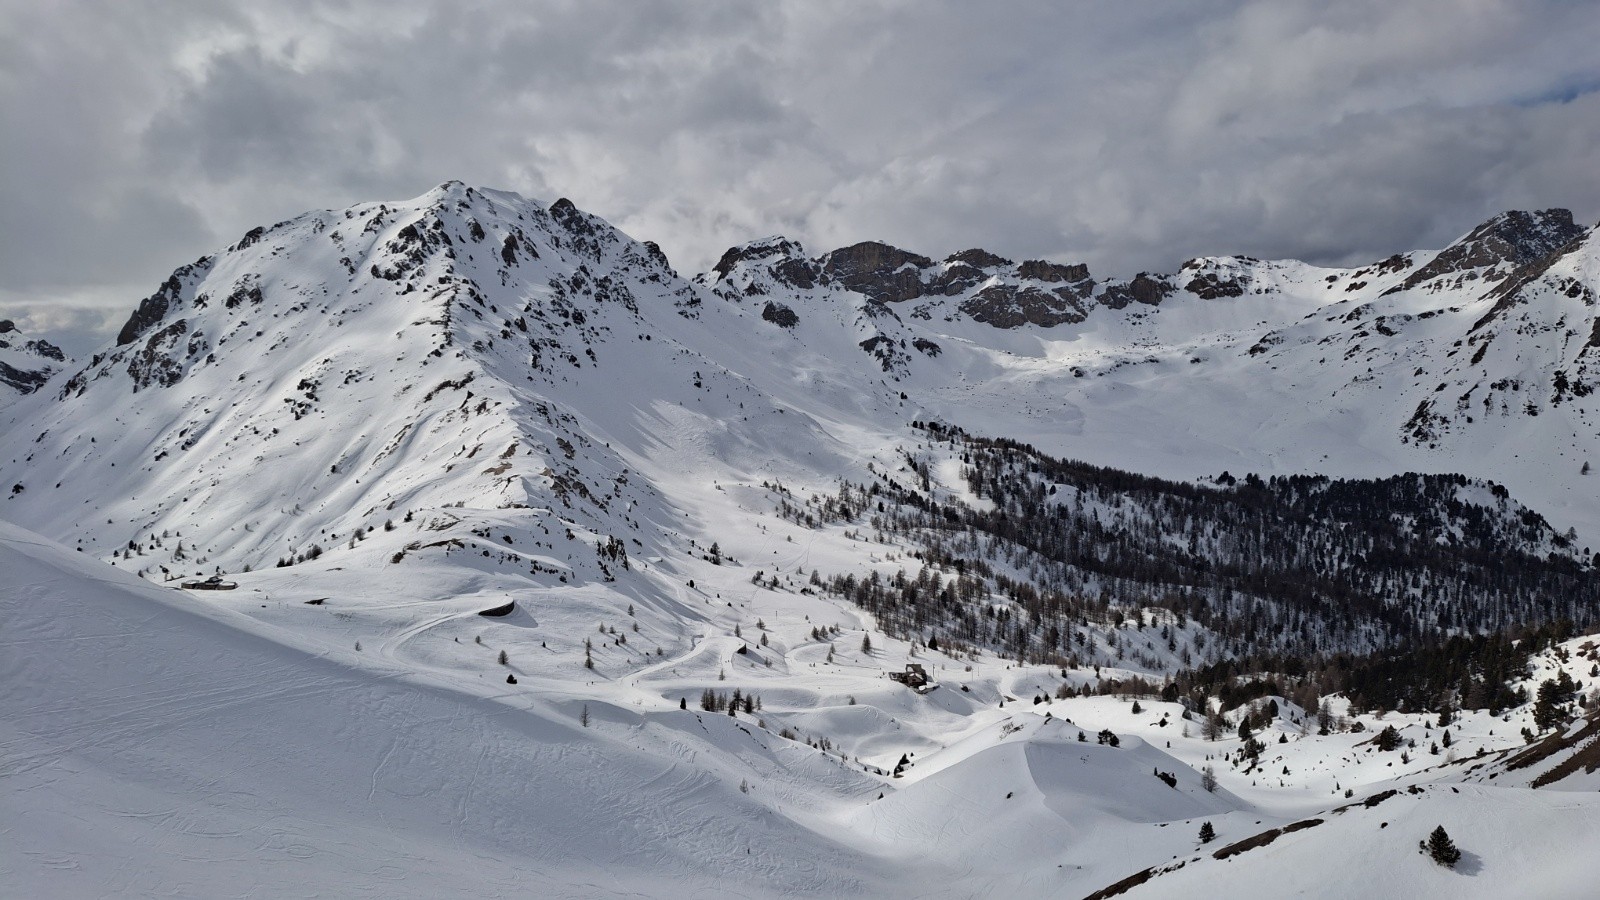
<point x="501" y="446"/>
<point x="25" y="364"/>
<point x="386" y="357"/>
<point x="1480" y="358"/>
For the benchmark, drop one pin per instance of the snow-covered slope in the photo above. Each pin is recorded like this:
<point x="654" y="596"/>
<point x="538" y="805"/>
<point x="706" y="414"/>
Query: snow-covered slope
<point x="25" y="364"/>
<point x="155" y="746"/>
<point x="156" y="743"/>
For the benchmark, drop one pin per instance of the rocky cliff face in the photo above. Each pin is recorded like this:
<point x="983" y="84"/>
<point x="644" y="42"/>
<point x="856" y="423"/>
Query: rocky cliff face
<point x="1496" y="249"/>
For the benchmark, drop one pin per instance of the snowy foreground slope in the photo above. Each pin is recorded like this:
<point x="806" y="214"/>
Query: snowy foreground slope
<point x="156" y="745"/>
<point x="479" y="464"/>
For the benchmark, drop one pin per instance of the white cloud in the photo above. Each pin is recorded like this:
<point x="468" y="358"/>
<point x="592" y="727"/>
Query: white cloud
<point x="1130" y="136"/>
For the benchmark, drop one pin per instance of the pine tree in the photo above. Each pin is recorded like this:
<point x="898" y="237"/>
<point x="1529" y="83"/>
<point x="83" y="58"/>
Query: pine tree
<point x="1550" y="710"/>
<point x="1208" y="780"/>
<point x="1442" y="849"/>
<point x="866" y="643"/>
<point x="1388" y="739"/>
<point x="584" y="716"/>
<point x="1207" y="833"/>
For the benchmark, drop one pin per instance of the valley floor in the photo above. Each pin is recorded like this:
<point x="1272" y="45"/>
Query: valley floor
<point x="161" y="743"/>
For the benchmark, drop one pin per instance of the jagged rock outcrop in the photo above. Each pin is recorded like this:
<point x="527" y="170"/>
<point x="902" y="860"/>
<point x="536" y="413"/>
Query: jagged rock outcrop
<point x="1142" y="289"/>
<point x="1214" y="279"/>
<point x="26" y="364"/>
<point x="1498" y="247"/>
<point x="777" y="258"/>
<point x="883" y="273"/>
<point x="1010" y="306"/>
<point x="779" y="315"/>
<point x="978" y="259"/>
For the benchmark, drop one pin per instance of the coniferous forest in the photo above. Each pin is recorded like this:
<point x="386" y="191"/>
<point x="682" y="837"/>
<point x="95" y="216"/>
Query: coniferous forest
<point x="1056" y="561"/>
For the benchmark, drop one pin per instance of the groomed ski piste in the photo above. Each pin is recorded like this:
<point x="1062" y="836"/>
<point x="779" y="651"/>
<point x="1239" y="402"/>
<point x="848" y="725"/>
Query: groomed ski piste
<point x="160" y="744"/>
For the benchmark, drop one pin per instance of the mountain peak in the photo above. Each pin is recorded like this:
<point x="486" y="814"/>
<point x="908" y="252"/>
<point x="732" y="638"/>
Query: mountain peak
<point x="1497" y="247"/>
<point x="25" y="365"/>
<point x="1527" y="235"/>
<point x="978" y="258"/>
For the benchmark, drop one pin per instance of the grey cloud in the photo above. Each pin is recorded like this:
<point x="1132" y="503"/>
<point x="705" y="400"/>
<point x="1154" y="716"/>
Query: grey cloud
<point x="1129" y="136"/>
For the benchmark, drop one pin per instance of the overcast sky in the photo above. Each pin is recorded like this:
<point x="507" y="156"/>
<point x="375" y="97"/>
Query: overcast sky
<point x="137" y="136"/>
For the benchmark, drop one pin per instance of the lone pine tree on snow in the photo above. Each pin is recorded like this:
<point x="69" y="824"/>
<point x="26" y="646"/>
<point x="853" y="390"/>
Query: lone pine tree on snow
<point x="1442" y="849"/>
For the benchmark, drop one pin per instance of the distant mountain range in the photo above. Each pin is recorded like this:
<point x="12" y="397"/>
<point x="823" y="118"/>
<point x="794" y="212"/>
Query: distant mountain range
<point x="489" y="363"/>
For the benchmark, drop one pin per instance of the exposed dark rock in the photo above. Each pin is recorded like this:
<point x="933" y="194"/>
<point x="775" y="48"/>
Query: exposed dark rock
<point x="929" y="348"/>
<point x="1502" y="244"/>
<point x="45" y="349"/>
<point x="779" y="315"/>
<point x="246" y="290"/>
<point x="1142" y="289"/>
<point x="1209" y="284"/>
<point x="155" y="364"/>
<point x="570" y="217"/>
<point x="1508" y="293"/>
<point x="586" y="236"/>
<point x="657" y="254"/>
<point x="25" y="381"/>
<point x="1395" y="263"/>
<point x="981" y="259"/>
<point x="250" y="237"/>
<point x="1007" y="306"/>
<point x="1268" y="341"/>
<point x="151" y="310"/>
<point x="40" y="348"/>
<point x="797" y="273"/>
<point x="886" y="352"/>
<point x="754" y="251"/>
<point x="881" y="272"/>
<point x="1040" y="270"/>
<point x="957" y="278"/>
<point x="782" y="258"/>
